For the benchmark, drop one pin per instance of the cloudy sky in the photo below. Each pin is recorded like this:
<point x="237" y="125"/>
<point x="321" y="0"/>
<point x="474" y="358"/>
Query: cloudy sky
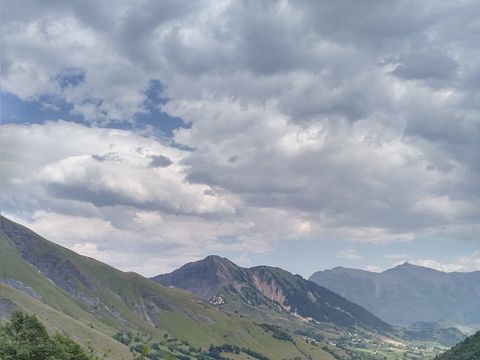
<point x="302" y="134"/>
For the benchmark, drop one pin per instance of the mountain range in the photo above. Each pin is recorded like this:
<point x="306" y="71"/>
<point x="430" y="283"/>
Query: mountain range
<point x="265" y="290"/>
<point x="90" y="300"/>
<point x="221" y="282"/>
<point x="198" y="311"/>
<point x="408" y="293"/>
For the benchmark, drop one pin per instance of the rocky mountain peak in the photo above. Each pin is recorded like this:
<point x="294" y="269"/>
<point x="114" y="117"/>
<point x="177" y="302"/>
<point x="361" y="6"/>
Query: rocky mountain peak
<point x="267" y="288"/>
<point x="204" y="277"/>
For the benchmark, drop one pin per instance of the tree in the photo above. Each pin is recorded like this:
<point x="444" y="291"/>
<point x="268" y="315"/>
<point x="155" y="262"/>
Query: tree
<point x="25" y="338"/>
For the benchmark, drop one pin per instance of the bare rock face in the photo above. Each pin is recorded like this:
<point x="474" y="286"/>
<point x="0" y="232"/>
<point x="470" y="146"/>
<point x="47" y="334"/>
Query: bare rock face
<point x="221" y="282"/>
<point x="50" y="263"/>
<point x="268" y="286"/>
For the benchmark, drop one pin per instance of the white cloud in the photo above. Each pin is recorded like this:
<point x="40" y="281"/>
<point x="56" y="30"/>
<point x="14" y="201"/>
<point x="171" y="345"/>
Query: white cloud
<point x="373" y="268"/>
<point x="97" y="194"/>
<point x="310" y="120"/>
<point x="461" y="264"/>
<point x="102" y="167"/>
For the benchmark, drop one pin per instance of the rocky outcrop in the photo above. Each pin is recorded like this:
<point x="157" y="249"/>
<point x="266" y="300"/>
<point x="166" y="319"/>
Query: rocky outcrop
<point x="20" y="286"/>
<point x="50" y="263"/>
<point x="268" y="287"/>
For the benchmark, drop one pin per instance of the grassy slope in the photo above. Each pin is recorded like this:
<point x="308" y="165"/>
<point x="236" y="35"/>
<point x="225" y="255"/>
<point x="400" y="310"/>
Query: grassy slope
<point x="57" y="321"/>
<point x="185" y="318"/>
<point x="243" y="332"/>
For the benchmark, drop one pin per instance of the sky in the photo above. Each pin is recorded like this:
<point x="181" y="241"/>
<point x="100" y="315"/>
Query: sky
<point x="301" y="134"/>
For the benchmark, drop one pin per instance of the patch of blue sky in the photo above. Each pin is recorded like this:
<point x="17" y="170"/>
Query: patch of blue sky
<point x="42" y="108"/>
<point x="36" y="110"/>
<point x="46" y="107"/>
<point x="153" y="116"/>
<point x="307" y="256"/>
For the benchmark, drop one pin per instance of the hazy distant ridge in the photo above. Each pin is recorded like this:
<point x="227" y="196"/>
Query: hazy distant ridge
<point x="408" y="293"/>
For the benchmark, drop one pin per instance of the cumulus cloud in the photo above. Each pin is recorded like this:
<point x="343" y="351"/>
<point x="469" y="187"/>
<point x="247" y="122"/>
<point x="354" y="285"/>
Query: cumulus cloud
<point x="101" y="167"/>
<point x="336" y="120"/>
<point x="94" y="190"/>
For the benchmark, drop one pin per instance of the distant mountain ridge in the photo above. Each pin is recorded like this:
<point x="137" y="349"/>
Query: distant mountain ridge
<point x="409" y="293"/>
<point x="469" y="349"/>
<point x="265" y="312"/>
<point x="222" y="282"/>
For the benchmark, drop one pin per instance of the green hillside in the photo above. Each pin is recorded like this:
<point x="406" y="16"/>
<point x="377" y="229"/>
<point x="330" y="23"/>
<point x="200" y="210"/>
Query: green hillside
<point x="78" y="329"/>
<point x="91" y="300"/>
<point x="469" y="349"/>
<point x="88" y="300"/>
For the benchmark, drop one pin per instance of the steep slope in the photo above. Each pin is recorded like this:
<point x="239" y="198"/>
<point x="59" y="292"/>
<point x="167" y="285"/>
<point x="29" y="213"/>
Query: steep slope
<point x="223" y="283"/>
<point x="33" y="264"/>
<point x="80" y="330"/>
<point x="469" y="349"/>
<point x="91" y="300"/>
<point x="407" y="293"/>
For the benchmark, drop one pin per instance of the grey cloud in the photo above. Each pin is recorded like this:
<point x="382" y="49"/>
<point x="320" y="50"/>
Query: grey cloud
<point x="97" y="197"/>
<point x="317" y="184"/>
<point x="107" y="198"/>
<point x="350" y="114"/>
<point x="426" y="66"/>
<point x="160" y="161"/>
<point x="111" y="156"/>
<point x="373" y="25"/>
<point x="270" y="44"/>
<point x="326" y="40"/>
<point x="136" y="28"/>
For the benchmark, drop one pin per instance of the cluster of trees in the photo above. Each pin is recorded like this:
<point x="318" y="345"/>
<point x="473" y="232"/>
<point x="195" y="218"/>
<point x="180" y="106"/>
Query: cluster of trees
<point x="168" y="348"/>
<point x="214" y="352"/>
<point x="277" y="332"/>
<point x="173" y="348"/>
<point x="24" y="337"/>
